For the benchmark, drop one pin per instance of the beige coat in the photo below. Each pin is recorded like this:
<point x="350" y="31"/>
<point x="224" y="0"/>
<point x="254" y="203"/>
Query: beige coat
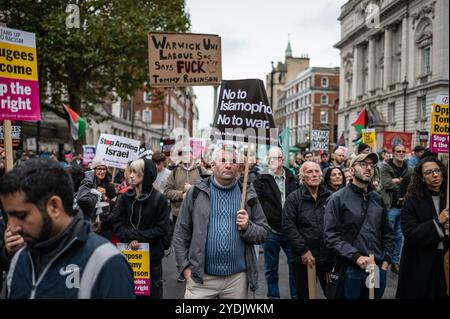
<point x="174" y="189"/>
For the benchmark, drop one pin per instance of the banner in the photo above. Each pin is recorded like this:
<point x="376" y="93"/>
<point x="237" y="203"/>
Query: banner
<point x="116" y="151"/>
<point x="439" y="125"/>
<point x="244" y="113"/>
<point x="139" y="261"/>
<point x="16" y="135"/>
<point x="19" y="87"/>
<point x="184" y="59"/>
<point x="369" y="137"/>
<point x="320" y="140"/>
<point x="390" y="139"/>
<point x="88" y="154"/>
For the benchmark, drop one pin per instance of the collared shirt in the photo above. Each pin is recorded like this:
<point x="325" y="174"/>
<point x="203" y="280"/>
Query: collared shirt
<point x="281" y="183"/>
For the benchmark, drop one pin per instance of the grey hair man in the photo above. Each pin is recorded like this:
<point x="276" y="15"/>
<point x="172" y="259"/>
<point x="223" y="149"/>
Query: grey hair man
<point x="302" y="222"/>
<point x="214" y="239"/>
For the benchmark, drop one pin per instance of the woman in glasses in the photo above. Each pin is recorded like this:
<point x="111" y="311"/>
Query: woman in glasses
<point x="424" y="220"/>
<point x="98" y="179"/>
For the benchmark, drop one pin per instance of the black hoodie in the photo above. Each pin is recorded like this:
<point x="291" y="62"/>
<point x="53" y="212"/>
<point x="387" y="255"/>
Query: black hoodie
<point x="144" y="218"/>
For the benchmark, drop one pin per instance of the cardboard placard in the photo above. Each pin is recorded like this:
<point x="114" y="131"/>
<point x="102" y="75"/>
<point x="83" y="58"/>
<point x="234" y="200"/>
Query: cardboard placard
<point x="184" y="59"/>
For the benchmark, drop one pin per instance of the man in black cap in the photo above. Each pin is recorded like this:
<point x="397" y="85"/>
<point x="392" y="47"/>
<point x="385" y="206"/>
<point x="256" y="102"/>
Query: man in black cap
<point x="417" y="155"/>
<point x="356" y="226"/>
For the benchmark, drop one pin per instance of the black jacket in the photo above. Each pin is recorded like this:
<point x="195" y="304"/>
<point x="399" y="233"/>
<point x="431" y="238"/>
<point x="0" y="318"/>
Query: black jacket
<point x="420" y="247"/>
<point x="270" y="197"/>
<point x="303" y="224"/>
<point x="346" y="211"/>
<point x="144" y="218"/>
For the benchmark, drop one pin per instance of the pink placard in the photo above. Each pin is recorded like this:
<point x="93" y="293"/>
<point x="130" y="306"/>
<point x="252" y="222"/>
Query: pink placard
<point x="439" y="143"/>
<point x="19" y="100"/>
<point x="141" y="287"/>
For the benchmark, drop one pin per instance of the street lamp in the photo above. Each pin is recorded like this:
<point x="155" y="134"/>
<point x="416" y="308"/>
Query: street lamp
<point x="405" y="87"/>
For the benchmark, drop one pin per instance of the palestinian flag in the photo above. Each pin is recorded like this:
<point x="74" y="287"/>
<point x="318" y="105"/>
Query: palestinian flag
<point x="77" y="124"/>
<point x="361" y="121"/>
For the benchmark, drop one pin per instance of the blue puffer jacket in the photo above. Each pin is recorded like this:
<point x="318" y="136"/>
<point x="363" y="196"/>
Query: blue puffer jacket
<point x="88" y="266"/>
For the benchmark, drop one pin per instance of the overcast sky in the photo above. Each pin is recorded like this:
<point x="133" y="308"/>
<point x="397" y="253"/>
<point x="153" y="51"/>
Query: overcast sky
<point x="255" y="32"/>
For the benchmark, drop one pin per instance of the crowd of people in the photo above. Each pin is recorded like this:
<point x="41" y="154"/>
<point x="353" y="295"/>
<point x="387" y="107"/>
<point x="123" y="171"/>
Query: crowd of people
<point x="342" y="215"/>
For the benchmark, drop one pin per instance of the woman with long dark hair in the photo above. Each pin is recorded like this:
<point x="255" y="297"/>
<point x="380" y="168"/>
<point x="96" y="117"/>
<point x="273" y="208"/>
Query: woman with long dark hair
<point x="334" y="178"/>
<point x="423" y="220"/>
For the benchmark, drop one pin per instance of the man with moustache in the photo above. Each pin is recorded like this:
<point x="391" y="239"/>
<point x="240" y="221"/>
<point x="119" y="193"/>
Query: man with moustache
<point x="356" y="226"/>
<point x="62" y="257"/>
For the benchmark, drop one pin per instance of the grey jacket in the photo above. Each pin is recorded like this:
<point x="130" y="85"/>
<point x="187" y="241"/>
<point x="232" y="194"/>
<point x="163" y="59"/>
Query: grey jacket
<point x="191" y="230"/>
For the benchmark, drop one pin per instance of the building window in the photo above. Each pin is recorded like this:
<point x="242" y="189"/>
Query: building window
<point x="424" y="43"/>
<point x="426" y="60"/>
<point x="324" y="117"/>
<point x="147" y="97"/>
<point x="147" y="116"/>
<point x="422" y="105"/>
<point x="324" y="82"/>
<point x="324" y="99"/>
<point x="391" y="112"/>
<point x="346" y="121"/>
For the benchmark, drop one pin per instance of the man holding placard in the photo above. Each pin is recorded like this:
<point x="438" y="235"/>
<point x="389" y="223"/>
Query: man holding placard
<point x="214" y="238"/>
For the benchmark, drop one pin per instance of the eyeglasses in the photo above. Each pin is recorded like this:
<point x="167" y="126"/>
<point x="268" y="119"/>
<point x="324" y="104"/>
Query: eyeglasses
<point x="364" y="164"/>
<point x="400" y="152"/>
<point x="436" y="171"/>
<point x="228" y="161"/>
<point x="275" y="158"/>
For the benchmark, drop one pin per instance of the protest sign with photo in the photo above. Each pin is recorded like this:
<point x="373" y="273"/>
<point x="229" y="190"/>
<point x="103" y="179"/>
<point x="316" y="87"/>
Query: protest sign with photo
<point x="320" y="140"/>
<point x="139" y="261"/>
<point x="116" y="151"/>
<point x="16" y="135"/>
<point x="184" y="59"/>
<point x="369" y="137"/>
<point x="244" y="113"/>
<point x="439" y="125"/>
<point x="198" y="146"/>
<point x="88" y="154"/>
<point x="19" y="87"/>
<point x="390" y="139"/>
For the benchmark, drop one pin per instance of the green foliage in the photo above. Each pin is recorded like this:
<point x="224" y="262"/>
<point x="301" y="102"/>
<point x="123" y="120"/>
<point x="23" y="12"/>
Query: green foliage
<point x="108" y="53"/>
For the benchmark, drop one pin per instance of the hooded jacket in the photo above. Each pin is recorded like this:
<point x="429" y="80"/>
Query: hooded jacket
<point x="191" y="232"/>
<point x="144" y="218"/>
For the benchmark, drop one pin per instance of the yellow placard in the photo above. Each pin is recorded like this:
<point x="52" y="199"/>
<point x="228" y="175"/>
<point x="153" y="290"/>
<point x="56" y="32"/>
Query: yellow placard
<point x="18" y="62"/>
<point x="439" y="119"/>
<point x="139" y="262"/>
<point x="369" y="137"/>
